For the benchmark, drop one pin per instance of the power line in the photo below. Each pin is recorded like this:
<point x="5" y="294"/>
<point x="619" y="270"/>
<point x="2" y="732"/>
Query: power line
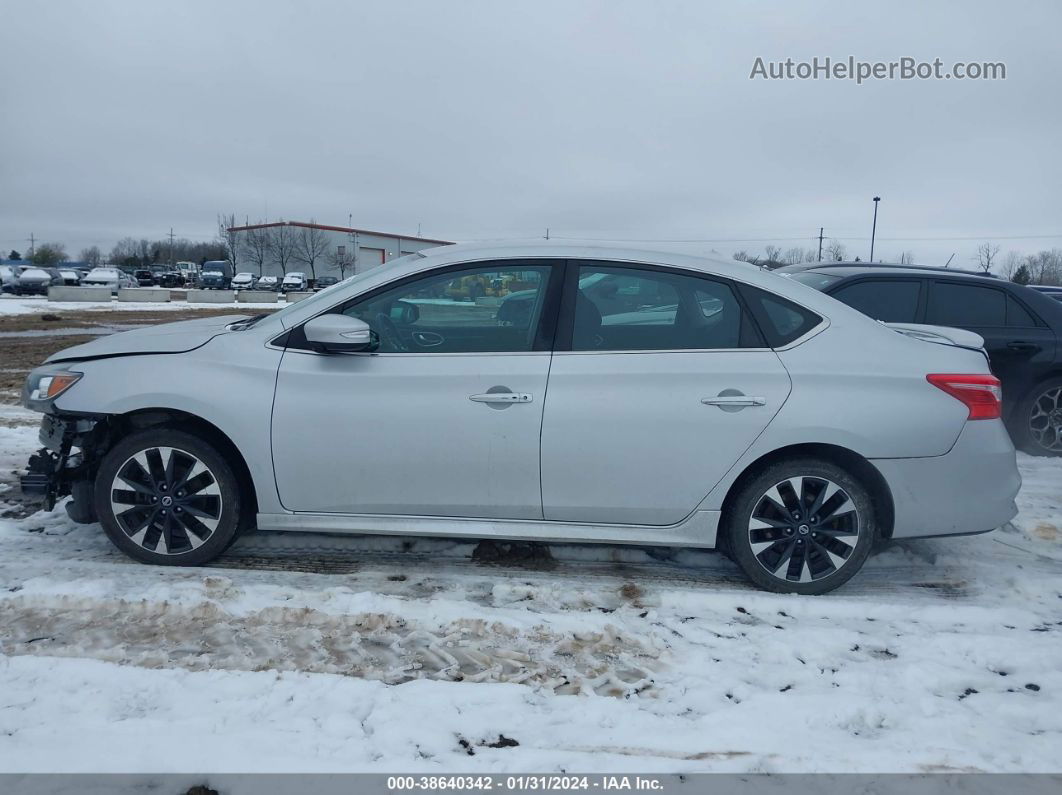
<point x="784" y="239"/>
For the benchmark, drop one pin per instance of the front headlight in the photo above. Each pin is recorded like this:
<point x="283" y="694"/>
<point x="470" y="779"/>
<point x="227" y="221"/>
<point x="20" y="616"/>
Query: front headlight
<point x="45" y="384"/>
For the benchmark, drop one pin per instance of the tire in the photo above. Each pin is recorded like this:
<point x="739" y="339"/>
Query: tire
<point x="780" y="548"/>
<point x="1036" y="425"/>
<point x="145" y="470"/>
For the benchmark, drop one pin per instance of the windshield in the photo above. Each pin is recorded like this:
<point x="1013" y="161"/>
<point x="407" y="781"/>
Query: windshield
<point x="820" y="281"/>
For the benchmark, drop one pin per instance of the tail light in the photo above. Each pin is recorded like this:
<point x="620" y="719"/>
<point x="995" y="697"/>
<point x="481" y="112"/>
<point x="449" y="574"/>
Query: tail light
<point x="981" y="394"/>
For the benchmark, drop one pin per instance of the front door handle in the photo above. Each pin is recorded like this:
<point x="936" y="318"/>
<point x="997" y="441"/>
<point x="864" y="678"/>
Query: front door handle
<point x="501" y="397"/>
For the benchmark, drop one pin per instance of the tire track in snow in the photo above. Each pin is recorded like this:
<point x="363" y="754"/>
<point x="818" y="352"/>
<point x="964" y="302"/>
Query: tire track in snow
<point x="379" y="646"/>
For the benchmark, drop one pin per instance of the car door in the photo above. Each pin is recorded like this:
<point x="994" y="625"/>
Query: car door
<point x="659" y="383"/>
<point x="1020" y="347"/>
<point x="443" y="419"/>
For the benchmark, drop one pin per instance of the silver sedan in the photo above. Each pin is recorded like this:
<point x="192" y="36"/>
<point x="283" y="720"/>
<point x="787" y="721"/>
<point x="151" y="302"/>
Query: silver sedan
<point x="539" y="392"/>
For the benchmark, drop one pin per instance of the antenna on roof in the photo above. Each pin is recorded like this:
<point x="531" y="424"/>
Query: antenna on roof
<point x="946" y="264"/>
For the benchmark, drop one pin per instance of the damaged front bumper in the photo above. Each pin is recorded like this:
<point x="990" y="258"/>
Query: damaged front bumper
<point x="63" y="465"/>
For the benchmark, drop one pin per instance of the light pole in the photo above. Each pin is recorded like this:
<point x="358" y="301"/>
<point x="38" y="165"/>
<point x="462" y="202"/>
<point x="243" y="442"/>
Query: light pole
<point x="874" y="229"/>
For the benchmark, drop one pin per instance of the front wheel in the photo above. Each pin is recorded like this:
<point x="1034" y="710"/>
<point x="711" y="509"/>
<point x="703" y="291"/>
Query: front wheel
<point x="801" y="526"/>
<point x="167" y="497"/>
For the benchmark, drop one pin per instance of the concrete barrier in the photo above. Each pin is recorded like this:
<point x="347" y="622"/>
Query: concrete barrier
<point x="151" y="295"/>
<point x="291" y="298"/>
<point x="79" y="294"/>
<point x="209" y="297"/>
<point x="256" y="297"/>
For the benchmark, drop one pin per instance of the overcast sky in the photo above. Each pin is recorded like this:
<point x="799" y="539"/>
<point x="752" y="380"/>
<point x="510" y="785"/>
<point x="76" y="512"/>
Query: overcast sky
<point x="486" y="119"/>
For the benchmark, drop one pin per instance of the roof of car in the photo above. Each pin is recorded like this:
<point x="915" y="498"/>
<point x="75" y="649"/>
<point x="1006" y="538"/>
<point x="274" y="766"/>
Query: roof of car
<point x="859" y="268"/>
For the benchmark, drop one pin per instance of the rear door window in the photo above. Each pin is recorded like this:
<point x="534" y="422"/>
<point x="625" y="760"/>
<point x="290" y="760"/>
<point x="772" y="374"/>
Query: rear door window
<point x="631" y="309"/>
<point x="890" y="300"/>
<point x="954" y="304"/>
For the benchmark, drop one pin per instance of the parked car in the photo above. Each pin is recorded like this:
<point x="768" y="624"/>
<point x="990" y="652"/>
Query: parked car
<point x="71" y="277"/>
<point x="36" y="281"/>
<point x="1022" y="329"/>
<point x="244" y="281"/>
<point x="1051" y="291"/>
<point x="114" y="278"/>
<point x="268" y="283"/>
<point x="144" y="278"/>
<point x="295" y="281"/>
<point x="761" y="427"/>
<point x="8" y="278"/>
<point x="214" y="280"/>
<point x="170" y="279"/>
<point x="325" y="281"/>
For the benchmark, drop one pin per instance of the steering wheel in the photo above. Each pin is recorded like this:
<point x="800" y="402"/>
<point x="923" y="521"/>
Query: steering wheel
<point x="388" y="332"/>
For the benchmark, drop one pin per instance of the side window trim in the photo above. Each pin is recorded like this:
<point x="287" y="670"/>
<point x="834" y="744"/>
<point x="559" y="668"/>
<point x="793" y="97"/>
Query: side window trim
<point x="566" y="316"/>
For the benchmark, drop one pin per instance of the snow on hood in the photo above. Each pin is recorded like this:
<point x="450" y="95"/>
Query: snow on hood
<point x="942" y="335"/>
<point x="177" y="337"/>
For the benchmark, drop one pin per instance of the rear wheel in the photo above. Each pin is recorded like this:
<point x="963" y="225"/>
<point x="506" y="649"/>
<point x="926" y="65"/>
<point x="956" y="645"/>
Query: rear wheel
<point x="801" y="526"/>
<point x="1037" y="423"/>
<point x="167" y="497"/>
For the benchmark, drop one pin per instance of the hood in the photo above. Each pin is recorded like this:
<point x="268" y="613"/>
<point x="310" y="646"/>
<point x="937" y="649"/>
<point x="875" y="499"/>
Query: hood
<point x="178" y="337"/>
<point x="942" y="335"/>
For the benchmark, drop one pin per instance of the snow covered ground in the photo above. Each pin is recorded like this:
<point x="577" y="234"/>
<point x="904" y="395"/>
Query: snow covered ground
<point x="33" y="305"/>
<point x="313" y="653"/>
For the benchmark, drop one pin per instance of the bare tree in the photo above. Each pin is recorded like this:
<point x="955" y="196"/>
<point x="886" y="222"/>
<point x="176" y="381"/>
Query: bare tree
<point x="230" y="238"/>
<point x="255" y="247"/>
<point x="986" y="252"/>
<point x="282" y="240"/>
<point x="796" y="255"/>
<point x="341" y="261"/>
<point x="1010" y="265"/>
<point x="772" y="253"/>
<point x="125" y="252"/>
<point x="744" y="256"/>
<point x="91" y="256"/>
<point x="1045" y="267"/>
<point x="836" y="251"/>
<point x="311" y="245"/>
<point x="906" y="257"/>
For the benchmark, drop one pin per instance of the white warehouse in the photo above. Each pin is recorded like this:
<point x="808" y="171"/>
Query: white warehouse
<point x="273" y="249"/>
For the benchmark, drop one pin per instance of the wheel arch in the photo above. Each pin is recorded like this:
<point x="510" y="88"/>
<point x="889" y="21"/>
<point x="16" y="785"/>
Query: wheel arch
<point x="143" y="419"/>
<point x="884" y="508"/>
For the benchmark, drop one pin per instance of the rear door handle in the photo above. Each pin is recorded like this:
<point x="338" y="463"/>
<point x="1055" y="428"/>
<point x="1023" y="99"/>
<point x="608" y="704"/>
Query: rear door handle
<point x="501" y="397"/>
<point x="735" y="400"/>
<point x="1024" y="347"/>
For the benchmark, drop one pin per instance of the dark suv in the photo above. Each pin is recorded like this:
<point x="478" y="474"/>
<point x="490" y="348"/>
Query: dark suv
<point x="1022" y="329"/>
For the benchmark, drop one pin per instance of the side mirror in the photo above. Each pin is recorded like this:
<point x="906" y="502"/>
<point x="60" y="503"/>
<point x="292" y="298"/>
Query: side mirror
<point x="340" y="333"/>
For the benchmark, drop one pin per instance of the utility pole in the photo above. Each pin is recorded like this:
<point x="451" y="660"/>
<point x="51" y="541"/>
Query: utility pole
<point x="874" y="229"/>
<point x="418" y="228"/>
<point x="820" y="244"/>
<point x="171" y="245"/>
<point x="32" y="241"/>
<point x="547" y="233"/>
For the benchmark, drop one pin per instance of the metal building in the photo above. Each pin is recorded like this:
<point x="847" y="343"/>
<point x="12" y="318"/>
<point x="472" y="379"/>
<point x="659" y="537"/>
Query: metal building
<point x="340" y="251"/>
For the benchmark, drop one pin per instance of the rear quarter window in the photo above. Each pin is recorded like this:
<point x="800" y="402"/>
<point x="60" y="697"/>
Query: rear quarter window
<point x="780" y="320"/>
